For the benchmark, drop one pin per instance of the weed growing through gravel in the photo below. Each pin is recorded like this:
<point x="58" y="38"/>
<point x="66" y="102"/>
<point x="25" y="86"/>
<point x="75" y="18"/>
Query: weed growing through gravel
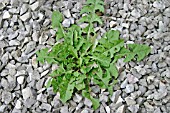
<point x="83" y="59"/>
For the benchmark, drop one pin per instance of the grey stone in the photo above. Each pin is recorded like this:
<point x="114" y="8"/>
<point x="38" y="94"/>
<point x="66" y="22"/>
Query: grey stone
<point x="44" y="73"/>
<point x="130" y="101"/>
<point x="4" y="83"/>
<point x="2" y="108"/>
<point x="42" y="97"/>
<point x="159" y="5"/>
<point x="23" y="9"/>
<point x="157" y="110"/>
<point x="103" y="97"/>
<point x="134" y="108"/>
<point x="40" y="83"/>
<point x="84" y="111"/>
<point x="121" y="109"/>
<point x="6" y="15"/>
<point x="136" y="13"/>
<point x="5" y="58"/>
<point x="30" y="47"/>
<point x="108" y="109"/>
<point x="167" y="12"/>
<point x="124" y="83"/>
<point x="129" y="88"/>
<point x="14" y="43"/>
<point x="66" y="23"/>
<point x="26" y="93"/>
<point x="20" y="79"/>
<point x="4" y="72"/>
<point x="45" y="106"/>
<point x="132" y="79"/>
<point x="28" y="103"/>
<point x="77" y="98"/>
<point x="6" y="97"/>
<point x="34" y="6"/>
<point x="25" y="17"/>
<point x="18" y="104"/>
<point x="64" y="109"/>
<point x="35" y="36"/>
<point x="14" y="2"/>
<point x="115" y="96"/>
<point x="148" y="106"/>
<point x="87" y="102"/>
<point x="143" y="82"/>
<point x="102" y="110"/>
<point x="66" y="13"/>
<point x="21" y="72"/>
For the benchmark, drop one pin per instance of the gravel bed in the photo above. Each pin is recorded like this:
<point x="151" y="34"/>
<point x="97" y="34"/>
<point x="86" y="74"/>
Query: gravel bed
<point x="25" y="27"/>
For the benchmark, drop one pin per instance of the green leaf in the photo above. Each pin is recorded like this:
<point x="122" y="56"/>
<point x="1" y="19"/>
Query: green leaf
<point x="66" y="90"/>
<point x="102" y="59"/>
<point x="140" y="51"/>
<point x="113" y="70"/>
<point x="99" y="7"/>
<point x="96" y="18"/>
<point x="86" y="9"/>
<point x="85" y="18"/>
<point x="56" y="19"/>
<point x="112" y="35"/>
<point x="95" y="102"/>
<point x="49" y="83"/>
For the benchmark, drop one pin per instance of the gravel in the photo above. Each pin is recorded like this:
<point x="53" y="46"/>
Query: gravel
<point x="25" y="27"/>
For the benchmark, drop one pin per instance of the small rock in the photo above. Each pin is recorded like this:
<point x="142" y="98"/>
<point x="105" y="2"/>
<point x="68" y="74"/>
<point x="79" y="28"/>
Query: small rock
<point x="77" y="98"/>
<point x="44" y="73"/>
<point x="121" y="109"/>
<point x="130" y="101"/>
<point x="148" y="106"/>
<point x="35" y="36"/>
<point x="30" y="47"/>
<point x="2" y="108"/>
<point x="66" y="23"/>
<point x="102" y="110"/>
<point x="87" y="102"/>
<point x="66" y="13"/>
<point x="112" y="24"/>
<point x="132" y="79"/>
<point x="71" y="20"/>
<point x="14" y="43"/>
<point x="129" y="88"/>
<point x="135" y="13"/>
<point x="84" y="111"/>
<point x="134" y="108"/>
<point x="115" y="96"/>
<point x="25" y="16"/>
<point x="158" y="5"/>
<point x="34" y="6"/>
<point x="29" y="102"/>
<point x="103" y="97"/>
<point x="6" y="97"/>
<point x="45" y="106"/>
<point x="157" y="110"/>
<point x="143" y="82"/>
<point x="18" y="104"/>
<point x="6" y="15"/>
<point x="20" y="79"/>
<point x="23" y="9"/>
<point x="40" y="83"/>
<point x="26" y="93"/>
<point x="64" y="109"/>
<point x="167" y="12"/>
<point x="124" y="83"/>
<point x="107" y="109"/>
<point x="21" y="72"/>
